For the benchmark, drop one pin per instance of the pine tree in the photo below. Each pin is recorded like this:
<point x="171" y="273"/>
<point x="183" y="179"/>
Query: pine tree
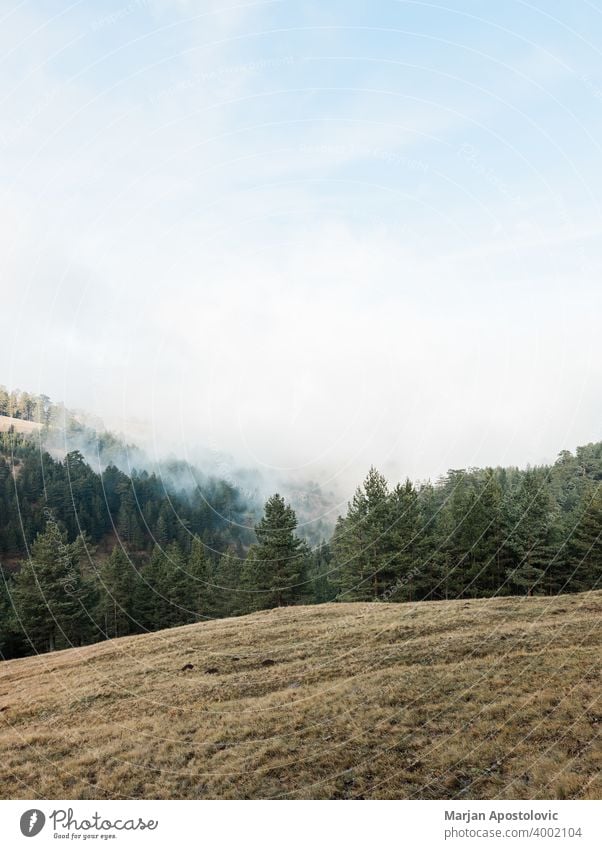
<point x="359" y="542"/>
<point x="198" y="579"/>
<point x="405" y="571"/>
<point x="162" y="529"/>
<point x="585" y="564"/>
<point x="279" y="559"/>
<point x="231" y="592"/>
<point x="177" y="588"/>
<point x="151" y="604"/>
<point x="489" y="551"/>
<point x="320" y="572"/>
<point x="475" y="538"/>
<point x="52" y="598"/>
<point x="117" y="589"/>
<point x="376" y="534"/>
<point x="9" y="635"/>
<point x="529" y="526"/>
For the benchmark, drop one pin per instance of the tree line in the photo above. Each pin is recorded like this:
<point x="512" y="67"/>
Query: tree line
<point x="140" y="509"/>
<point x="64" y="595"/>
<point x="89" y="556"/>
<point x="476" y="533"/>
<point x="29" y="407"/>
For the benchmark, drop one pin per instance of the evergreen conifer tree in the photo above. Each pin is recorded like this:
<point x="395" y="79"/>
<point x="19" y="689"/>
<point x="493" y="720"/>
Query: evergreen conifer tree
<point x="279" y="559"/>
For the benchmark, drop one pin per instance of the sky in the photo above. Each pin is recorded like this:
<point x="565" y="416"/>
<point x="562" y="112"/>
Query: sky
<point x="309" y="236"/>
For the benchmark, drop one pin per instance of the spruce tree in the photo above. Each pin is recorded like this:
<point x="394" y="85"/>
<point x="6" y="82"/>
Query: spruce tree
<point x="405" y="570"/>
<point x="9" y="635"/>
<point x="152" y="605"/>
<point x="279" y="559"/>
<point x="52" y="597"/>
<point x="585" y="564"/>
<point x="529" y="525"/>
<point x="233" y="592"/>
<point x="198" y="581"/>
<point x="117" y="588"/>
<point x="359" y="542"/>
<point x="321" y="575"/>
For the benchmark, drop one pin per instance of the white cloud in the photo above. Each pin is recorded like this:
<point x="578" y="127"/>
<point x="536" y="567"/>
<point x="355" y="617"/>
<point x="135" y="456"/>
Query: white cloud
<point x="310" y="281"/>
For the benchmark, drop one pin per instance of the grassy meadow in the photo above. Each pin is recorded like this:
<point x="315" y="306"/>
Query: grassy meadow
<point x="489" y="698"/>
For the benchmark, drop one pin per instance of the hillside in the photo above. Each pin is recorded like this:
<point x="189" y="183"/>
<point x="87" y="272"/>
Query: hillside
<point x="461" y="699"/>
<point x="7" y="423"/>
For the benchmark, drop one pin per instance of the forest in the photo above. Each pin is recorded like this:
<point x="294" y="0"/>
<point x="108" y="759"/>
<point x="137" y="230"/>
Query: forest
<point x="87" y="554"/>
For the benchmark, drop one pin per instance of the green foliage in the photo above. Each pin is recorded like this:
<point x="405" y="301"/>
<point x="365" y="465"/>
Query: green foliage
<point x="10" y="642"/>
<point x="358" y="544"/>
<point x="139" y="507"/>
<point x="378" y="545"/>
<point x="476" y="532"/>
<point x="198" y="581"/>
<point x="53" y="598"/>
<point x="320" y="573"/>
<point x="276" y="568"/>
<point x="585" y="559"/>
<point x="227" y="596"/>
<point x="529" y="532"/>
<point x="187" y="557"/>
<point x="117" y="581"/>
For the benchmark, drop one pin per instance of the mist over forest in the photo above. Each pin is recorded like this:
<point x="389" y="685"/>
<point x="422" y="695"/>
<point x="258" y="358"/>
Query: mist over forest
<point x="97" y="541"/>
<point x="301" y="418"/>
<point x="63" y="430"/>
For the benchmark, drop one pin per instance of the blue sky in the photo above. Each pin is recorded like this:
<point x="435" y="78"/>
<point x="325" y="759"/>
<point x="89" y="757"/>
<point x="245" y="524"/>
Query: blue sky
<point x="314" y="235"/>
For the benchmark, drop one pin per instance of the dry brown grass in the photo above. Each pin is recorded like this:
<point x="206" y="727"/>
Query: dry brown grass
<point x="18" y="425"/>
<point x="463" y="699"/>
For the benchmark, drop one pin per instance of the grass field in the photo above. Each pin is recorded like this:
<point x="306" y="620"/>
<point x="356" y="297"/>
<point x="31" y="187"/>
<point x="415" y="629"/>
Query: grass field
<point x="18" y="425"/>
<point x="477" y="699"/>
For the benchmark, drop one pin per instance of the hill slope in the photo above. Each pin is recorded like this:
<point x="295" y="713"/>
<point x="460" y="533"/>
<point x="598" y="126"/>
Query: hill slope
<point x="461" y="699"/>
<point x="18" y="425"/>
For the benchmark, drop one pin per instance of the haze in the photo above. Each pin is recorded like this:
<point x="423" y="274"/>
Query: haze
<point x="313" y="236"/>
